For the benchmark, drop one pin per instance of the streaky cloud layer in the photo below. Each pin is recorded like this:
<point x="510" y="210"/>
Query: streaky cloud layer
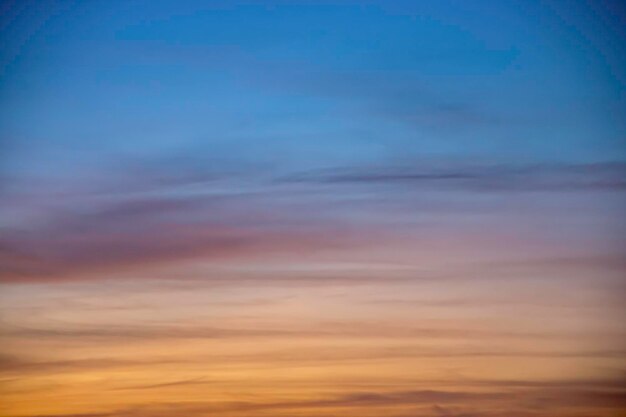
<point x="356" y="208"/>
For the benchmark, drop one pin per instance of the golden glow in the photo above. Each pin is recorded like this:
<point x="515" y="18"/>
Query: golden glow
<point x="253" y="343"/>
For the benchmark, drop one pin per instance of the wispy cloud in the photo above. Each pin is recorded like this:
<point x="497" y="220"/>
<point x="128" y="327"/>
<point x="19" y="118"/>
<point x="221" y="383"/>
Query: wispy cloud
<point x="100" y="232"/>
<point x="146" y="230"/>
<point x="438" y="402"/>
<point x="486" y="178"/>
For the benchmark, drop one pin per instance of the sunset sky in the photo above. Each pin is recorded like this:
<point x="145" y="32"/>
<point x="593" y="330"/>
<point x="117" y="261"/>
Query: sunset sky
<point x="313" y="208"/>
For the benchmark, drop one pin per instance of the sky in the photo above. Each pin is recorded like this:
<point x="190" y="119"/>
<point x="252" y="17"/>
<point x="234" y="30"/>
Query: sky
<point x="312" y="208"/>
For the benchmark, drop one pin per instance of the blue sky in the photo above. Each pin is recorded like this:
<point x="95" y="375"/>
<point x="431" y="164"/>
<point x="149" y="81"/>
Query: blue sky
<point x="311" y="84"/>
<point x="313" y="208"/>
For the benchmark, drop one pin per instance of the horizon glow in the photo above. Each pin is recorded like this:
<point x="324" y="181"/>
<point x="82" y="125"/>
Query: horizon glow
<point x="312" y="209"/>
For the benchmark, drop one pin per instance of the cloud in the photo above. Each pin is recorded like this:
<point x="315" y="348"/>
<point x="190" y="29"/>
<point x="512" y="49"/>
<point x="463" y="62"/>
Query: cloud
<point x="146" y="230"/>
<point x="485" y="178"/>
<point x="186" y="216"/>
<point x="439" y="402"/>
<point x="21" y="367"/>
<point x="125" y="413"/>
<point x="184" y="382"/>
<point x="400" y="97"/>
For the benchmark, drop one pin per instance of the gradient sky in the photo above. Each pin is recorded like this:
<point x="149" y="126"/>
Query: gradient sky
<point x="312" y="208"/>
